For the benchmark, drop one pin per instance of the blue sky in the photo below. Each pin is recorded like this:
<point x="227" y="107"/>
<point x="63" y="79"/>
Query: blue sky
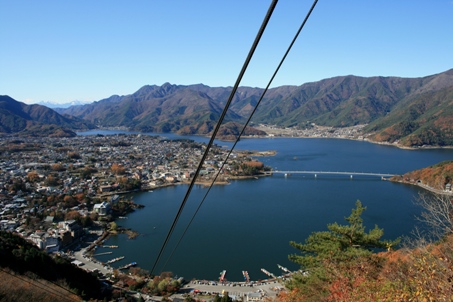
<point x="60" y="51"/>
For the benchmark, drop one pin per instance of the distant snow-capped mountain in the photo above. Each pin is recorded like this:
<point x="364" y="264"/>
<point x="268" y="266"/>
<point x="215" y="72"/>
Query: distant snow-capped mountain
<point x="62" y="105"/>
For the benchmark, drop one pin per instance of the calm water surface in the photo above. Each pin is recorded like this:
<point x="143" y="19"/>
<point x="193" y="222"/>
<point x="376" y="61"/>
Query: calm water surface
<point x="248" y="224"/>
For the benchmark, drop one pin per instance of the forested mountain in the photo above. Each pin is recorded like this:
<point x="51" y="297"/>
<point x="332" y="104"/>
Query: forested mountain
<point x="411" y="111"/>
<point x="407" y="111"/>
<point x="36" y="120"/>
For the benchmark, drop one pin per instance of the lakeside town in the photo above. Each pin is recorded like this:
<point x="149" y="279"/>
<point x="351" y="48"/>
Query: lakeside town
<point x="47" y="180"/>
<point x="73" y="182"/>
<point x="64" y="194"/>
<point x="314" y="131"/>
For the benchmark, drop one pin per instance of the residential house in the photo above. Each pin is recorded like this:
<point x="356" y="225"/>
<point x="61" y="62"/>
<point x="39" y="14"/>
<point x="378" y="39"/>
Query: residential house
<point x="102" y="208"/>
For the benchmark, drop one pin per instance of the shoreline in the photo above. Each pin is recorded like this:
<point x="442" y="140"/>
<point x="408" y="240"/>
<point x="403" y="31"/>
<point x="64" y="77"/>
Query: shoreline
<point x="399" y="146"/>
<point x="420" y="185"/>
<point x="276" y="133"/>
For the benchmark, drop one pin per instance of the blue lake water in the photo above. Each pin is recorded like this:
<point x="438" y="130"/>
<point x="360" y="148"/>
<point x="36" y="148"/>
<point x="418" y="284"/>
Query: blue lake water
<point x="247" y="225"/>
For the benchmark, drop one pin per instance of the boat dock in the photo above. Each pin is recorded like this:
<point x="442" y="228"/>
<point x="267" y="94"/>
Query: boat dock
<point x="128" y="265"/>
<point x="115" y="260"/>
<point x="269" y="274"/>
<point x="106" y="253"/>
<point x="284" y="269"/>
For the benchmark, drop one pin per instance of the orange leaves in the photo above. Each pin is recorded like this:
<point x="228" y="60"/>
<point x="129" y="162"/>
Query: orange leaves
<point x="117" y="169"/>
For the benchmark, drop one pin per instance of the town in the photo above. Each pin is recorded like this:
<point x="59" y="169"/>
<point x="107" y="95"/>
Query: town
<point x="48" y="180"/>
<point x="60" y="193"/>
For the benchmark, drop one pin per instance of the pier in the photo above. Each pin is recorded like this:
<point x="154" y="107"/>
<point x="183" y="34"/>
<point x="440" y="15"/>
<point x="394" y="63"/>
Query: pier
<point x="284" y="269"/>
<point x="106" y="253"/>
<point x="268" y="273"/>
<point x="115" y="260"/>
<point x="351" y="174"/>
<point x="128" y="265"/>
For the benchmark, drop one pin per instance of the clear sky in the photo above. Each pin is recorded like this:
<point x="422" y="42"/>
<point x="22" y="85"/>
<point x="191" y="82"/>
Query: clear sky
<point x="60" y="51"/>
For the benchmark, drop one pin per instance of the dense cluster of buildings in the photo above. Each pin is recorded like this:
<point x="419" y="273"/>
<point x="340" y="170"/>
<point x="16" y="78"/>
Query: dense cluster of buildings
<point x="314" y="131"/>
<point x="52" y="189"/>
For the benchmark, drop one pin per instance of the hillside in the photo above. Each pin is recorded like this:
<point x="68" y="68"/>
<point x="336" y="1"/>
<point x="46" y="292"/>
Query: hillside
<point x="404" y="111"/>
<point x="18" y="288"/>
<point x="436" y="176"/>
<point x="346" y="263"/>
<point x="19" y="257"/>
<point x="36" y="120"/>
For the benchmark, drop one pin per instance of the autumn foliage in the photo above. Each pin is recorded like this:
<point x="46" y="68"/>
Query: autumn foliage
<point x="423" y="272"/>
<point x="118" y="169"/>
<point x="436" y="176"/>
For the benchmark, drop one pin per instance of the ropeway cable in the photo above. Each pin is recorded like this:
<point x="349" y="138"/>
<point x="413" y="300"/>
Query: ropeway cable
<point x="222" y="116"/>
<point x="45" y="287"/>
<point x="245" y="125"/>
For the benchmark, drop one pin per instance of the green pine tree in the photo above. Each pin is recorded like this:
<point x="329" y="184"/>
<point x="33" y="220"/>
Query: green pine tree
<point x="341" y="245"/>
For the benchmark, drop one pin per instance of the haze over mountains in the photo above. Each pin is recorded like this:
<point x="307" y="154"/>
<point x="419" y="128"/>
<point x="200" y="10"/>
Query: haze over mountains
<point x="36" y="120"/>
<point x="411" y="111"/>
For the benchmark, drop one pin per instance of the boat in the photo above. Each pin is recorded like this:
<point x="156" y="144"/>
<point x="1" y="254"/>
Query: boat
<point x="222" y="276"/>
<point x="246" y="276"/>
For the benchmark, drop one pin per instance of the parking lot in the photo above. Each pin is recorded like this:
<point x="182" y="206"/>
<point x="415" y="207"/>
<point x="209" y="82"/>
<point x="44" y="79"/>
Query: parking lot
<point x="268" y="288"/>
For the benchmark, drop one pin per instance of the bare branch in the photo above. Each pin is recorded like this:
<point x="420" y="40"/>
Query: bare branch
<point x="438" y="213"/>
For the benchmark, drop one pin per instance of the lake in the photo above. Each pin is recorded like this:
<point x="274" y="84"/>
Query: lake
<point x="247" y="225"/>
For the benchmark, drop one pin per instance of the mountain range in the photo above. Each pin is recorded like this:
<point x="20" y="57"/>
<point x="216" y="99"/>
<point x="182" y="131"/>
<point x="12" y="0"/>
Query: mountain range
<point x="36" y="120"/>
<point x="407" y="111"/>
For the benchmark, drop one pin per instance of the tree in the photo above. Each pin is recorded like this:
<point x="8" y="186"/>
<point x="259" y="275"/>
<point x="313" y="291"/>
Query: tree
<point x="87" y="172"/>
<point x="32" y="176"/>
<point x="51" y="180"/>
<point x="341" y="242"/>
<point x="226" y="298"/>
<point x="113" y="226"/>
<point x="74" y="155"/>
<point x="58" y="167"/>
<point x="118" y="169"/>
<point x="339" y="249"/>
<point x="437" y="214"/>
<point x="72" y="215"/>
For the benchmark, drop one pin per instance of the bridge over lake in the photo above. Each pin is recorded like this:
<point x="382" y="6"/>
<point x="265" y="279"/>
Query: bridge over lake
<point x="316" y="173"/>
